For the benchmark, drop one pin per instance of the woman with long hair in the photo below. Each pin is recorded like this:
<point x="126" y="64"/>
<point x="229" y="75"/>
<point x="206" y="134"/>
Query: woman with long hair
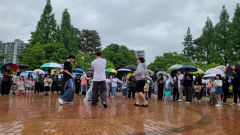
<point x="141" y="74"/>
<point x="6" y="80"/>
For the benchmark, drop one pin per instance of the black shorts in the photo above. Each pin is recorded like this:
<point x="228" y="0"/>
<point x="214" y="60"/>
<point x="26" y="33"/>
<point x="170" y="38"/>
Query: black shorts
<point x="140" y="86"/>
<point x="47" y="88"/>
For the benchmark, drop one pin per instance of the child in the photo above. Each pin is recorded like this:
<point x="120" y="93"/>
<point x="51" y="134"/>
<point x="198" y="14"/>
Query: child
<point x="124" y="87"/>
<point x="218" y="89"/>
<point x="88" y="96"/>
<point x="20" y="84"/>
<point x="77" y="84"/>
<point x="29" y="84"/>
<point x="47" y="84"/>
<point x="146" y="87"/>
<point x="168" y="88"/>
<point x="210" y="88"/>
<point x="84" y="84"/>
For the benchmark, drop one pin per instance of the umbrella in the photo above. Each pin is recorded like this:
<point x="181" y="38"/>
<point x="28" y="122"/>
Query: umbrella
<point x="150" y="72"/>
<point x="211" y="75"/>
<point x="131" y="67"/>
<point x="191" y="68"/>
<point x="14" y="67"/>
<point x="39" y="70"/>
<point x="51" y="65"/>
<point x="124" y="70"/>
<point x="223" y="68"/>
<point x="164" y="73"/>
<point x="110" y="70"/>
<point x="78" y="70"/>
<point x="25" y="74"/>
<point x="90" y="70"/>
<point x="199" y="71"/>
<point x="214" y="71"/>
<point x="75" y="74"/>
<point x="175" y="67"/>
<point x="23" y="66"/>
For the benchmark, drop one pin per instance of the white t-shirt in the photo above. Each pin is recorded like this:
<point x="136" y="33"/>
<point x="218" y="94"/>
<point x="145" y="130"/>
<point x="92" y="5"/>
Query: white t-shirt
<point x="180" y="77"/>
<point x="218" y="83"/>
<point x="114" y="82"/>
<point x="99" y="66"/>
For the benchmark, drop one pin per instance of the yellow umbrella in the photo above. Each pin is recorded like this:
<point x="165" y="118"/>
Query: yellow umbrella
<point x="200" y="71"/>
<point x="110" y="70"/>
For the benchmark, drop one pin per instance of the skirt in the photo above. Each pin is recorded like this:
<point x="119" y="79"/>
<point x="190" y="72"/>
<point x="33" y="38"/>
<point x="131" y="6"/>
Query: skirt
<point x="218" y="90"/>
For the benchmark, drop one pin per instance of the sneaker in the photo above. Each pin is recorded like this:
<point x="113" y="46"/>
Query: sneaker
<point x="187" y="102"/>
<point x="180" y="100"/>
<point x="233" y="104"/>
<point x="60" y="101"/>
<point x="218" y="105"/>
<point x="104" y="104"/>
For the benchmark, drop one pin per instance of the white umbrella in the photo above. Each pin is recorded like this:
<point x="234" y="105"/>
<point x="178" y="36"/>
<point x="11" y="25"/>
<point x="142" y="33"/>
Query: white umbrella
<point x="175" y="67"/>
<point x="164" y="73"/>
<point x="213" y="72"/>
<point x="39" y="70"/>
<point x="124" y="70"/>
<point x="150" y="72"/>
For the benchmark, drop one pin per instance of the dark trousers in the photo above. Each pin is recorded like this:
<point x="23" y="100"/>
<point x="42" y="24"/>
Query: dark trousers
<point x="5" y="87"/>
<point x="175" y="94"/>
<point x="150" y="93"/>
<point x="131" y="92"/>
<point x="188" y="93"/>
<point x="160" y="93"/>
<point x="99" y="88"/>
<point x="198" y="95"/>
<point x="37" y="87"/>
<point x="225" y="94"/>
<point x="41" y="87"/>
<point x="236" y="93"/>
<point x="77" y="89"/>
<point x="54" y="87"/>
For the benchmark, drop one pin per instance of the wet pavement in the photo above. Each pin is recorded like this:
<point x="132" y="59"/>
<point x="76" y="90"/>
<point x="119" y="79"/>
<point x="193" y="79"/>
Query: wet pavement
<point x="38" y="114"/>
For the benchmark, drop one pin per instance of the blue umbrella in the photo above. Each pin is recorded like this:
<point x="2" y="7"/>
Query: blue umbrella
<point x="78" y="70"/>
<point x="191" y="68"/>
<point x="124" y="70"/>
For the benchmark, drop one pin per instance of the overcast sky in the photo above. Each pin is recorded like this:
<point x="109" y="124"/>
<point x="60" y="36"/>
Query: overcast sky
<point x="156" y="26"/>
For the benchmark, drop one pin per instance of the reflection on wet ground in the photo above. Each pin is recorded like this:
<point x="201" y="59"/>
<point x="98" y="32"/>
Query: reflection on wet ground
<point x="43" y="115"/>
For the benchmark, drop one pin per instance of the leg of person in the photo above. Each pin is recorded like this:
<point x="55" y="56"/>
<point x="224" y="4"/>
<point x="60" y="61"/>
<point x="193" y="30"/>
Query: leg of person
<point x="68" y="95"/>
<point x="190" y="93"/>
<point x="238" y="93"/>
<point x="180" y="93"/>
<point x="224" y="95"/>
<point x="235" y="94"/>
<point x="103" y="91"/>
<point x="95" y="92"/>
<point x="3" y="87"/>
<point x="114" y="90"/>
<point x="186" y="94"/>
<point x="174" y="94"/>
<point x="8" y="88"/>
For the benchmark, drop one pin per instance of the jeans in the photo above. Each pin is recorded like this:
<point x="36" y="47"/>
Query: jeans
<point x="69" y="93"/>
<point x="99" y="87"/>
<point x="124" y="92"/>
<point x="114" y="91"/>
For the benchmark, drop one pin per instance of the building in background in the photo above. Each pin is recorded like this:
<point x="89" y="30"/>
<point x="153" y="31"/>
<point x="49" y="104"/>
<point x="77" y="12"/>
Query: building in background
<point x="139" y="53"/>
<point x="13" y="50"/>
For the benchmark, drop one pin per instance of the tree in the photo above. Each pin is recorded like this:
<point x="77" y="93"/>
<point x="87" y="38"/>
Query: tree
<point x="34" y="56"/>
<point x="119" y="55"/>
<point x="188" y="45"/>
<point x="168" y="59"/>
<point x="68" y="35"/>
<point x="222" y="32"/>
<point x="46" y="27"/>
<point x="88" y="41"/>
<point x="84" y="60"/>
<point x="206" y="49"/>
<point x="235" y="32"/>
<point x="55" y="52"/>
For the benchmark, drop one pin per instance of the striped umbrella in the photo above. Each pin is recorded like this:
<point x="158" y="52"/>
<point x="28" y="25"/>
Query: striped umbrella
<point x="51" y="65"/>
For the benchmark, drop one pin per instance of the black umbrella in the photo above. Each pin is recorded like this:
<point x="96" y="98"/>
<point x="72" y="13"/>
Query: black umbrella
<point x="23" y="66"/>
<point x="131" y="67"/>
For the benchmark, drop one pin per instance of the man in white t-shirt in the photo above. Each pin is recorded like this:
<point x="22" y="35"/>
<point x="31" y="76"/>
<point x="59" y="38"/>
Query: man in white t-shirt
<point x="180" y="87"/>
<point x="99" y="80"/>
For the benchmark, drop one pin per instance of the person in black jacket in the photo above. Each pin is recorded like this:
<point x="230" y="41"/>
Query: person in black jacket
<point x="187" y="83"/>
<point x="160" y="83"/>
<point x="132" y="86"/>
<point x="225" y="88"/>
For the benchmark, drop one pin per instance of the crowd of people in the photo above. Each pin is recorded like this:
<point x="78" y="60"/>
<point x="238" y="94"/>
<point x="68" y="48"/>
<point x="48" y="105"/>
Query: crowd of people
<point x="139" y="84"/>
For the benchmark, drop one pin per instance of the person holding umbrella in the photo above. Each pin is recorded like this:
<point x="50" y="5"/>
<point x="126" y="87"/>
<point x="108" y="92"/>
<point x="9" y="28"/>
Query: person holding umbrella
<point x="187" y="83"/>
<point x="68" y="78"/>
<point x="6" y="80"/>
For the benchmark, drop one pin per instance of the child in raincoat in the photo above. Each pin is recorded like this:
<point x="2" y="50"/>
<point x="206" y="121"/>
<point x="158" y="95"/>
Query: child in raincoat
<point x="168" y="89"/>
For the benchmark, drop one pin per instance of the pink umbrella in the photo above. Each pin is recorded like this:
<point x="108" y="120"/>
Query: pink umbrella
<point x="223" y="68"/>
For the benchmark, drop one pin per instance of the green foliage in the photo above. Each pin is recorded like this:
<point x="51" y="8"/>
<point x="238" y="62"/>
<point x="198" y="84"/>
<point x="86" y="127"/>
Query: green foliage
<point x="110" y="64"/>
<point x="188" y="45"/>
<point x="119" y="55"/>
<point x="88" y="41"/>
<point x="68" y="35"/>
<point x="46" y="28"/>
<point x="34" y="56"/>
<point x="55" y="52"/>
<point x="84" y="61"/>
